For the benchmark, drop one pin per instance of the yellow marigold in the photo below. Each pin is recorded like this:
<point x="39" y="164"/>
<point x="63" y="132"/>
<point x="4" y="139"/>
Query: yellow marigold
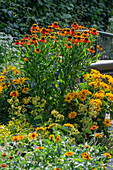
<point x="69" y="153"/>
<point x="72" y="115"/>
<point x="69" y="125"/>
<point x="85" y="155"/>
<point x="2" y="78"/>
<point x="25" y="90"/>
<point x="16" y="81"/>
<point x="16" y="71"/>
<point x="68" y="97"/>
<point x="98" y="135"/>
<point x="33" y="135"/>
<point x="99" y="95"/>
<point x="107" y="122"/>
<point x="22" y="80"/>
<point x="105" y="86"/>
<point x="15" y="138"/>
<point x="97" y="101"/>
<point x="82" y="97"/>
<point x="21" y="137"/>
<point x="51" y="137"/>
<point x="74" y="95"/>
<point x="40" y="147"/>
<point x="108" y="155"/>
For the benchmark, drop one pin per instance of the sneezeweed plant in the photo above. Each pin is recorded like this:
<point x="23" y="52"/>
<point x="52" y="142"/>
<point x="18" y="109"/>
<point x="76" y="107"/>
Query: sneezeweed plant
<point x="55" y="57"/>
<point x="33" y="150"/>
<point x="90" y="104"/>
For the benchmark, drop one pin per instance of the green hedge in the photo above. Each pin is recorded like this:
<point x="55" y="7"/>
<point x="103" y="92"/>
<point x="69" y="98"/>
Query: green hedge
<point x="17" y="16"/>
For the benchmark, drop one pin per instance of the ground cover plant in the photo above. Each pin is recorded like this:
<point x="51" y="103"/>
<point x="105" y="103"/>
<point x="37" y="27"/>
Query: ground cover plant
<point x="43" y="103"/>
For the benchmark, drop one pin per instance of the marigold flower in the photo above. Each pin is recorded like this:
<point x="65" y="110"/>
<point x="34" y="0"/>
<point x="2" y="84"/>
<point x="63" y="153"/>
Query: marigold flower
<point x="69" y="153"/>
<point x="75" y="25"/>
<point x="108" y="155"/>
<point x="50" y="28"/>
<point x="17" y="42"/>
<point x="40" y="147"/>
<point x="14" y="94"/>
<point x="72" y="115"/>
<point x="94" y="127"/>
<point x="21" y="137"/>
<point x="33" y="135"/>
<point x="82" y="97"/>
<point x="42" y="39"/>
<point x="69" y="125"/>
<point x="85" y="155"/>
<point x="3" y="165"/>
<point x="25" y="90"/>
<point x="78" y="39"/>
<point x="99" y="47"/>
<point x="107" y="122"/>
<point x="68" y="97"/>
<point x="94" y="31"/>
<point x="15" y="138"/>
<point x="16" y="71"/>
<point x="86" y="40"/>
<point x="55" y="25"/>
<point x="98" y="135"/>
<point x="35" y="27"/>
<point x="26" y="37"/>
<point x="69" y="38"/>
<point x="37" y="50"/>
<point x="52" y="36"/>
<point x="2" y="78"/>
<point x="57" y="169"/>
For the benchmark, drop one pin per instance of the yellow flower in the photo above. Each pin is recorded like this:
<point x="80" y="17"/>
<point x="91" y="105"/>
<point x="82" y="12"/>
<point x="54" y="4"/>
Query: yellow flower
<point x="25" y="100"/>
<point x="69" y="153"/>
<point x="50" y="126"/>
<point x="37" y="51"/>
<point x="72" y="115"/>
<point x="15" y="138"/>
<point x="33" y="135"/>
<point x="68" y="97"/>
<point x="57" y="169"/>
<point x="107" y="122"/>
<point x="98" y="135"/>
<point x="74" y="95"/>
<point x="2" y="78"/>
<point x="68" y="125"/>
<point x="51" y="137"/>
<point x="82" y="97"/>
<point x="14" y="94"/>
<point x="39" y="128"/>
<point x="108" y="155"/>
<point x="25" y="90"/>
<point x="85" y="155"/>
<point x="87" y="146"/>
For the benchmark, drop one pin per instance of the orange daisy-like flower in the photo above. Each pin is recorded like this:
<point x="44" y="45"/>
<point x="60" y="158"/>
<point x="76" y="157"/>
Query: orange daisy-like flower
<point x="94" y="31"/>
<point x="69" y="125"/>
<point x="91" y="50"/>
<point x="69" y="153"/>
<point x="39" y="128"/>
<point x="69" y="46"/>
<point x="4" y="154"/>
<point x="85" y="155"/>
<point x="2" y="78"/>
<point x="86" y="40"/>
<point x="94" y="127"/>
<point x="50" y="28"/>
<point x="78" y="39"/>
<point x="73" y="31"/>
<point x="98" y="135"/>
<point x="42" y="39"/>
<point x="68" y="97"/>
<point x="40" y="147"/>
<point x="75" y="25"/>
<point x="51" y="137"/>
<point x="25" y="90"/>
<point x="33" y="40"/>
<point x="17" y="42"/>
<point x="21" y="137"/>
<point x="99" y="47"/>
<point x="58" y="138"/>
<point x="10" y="157"/>
<point x="14" y="94"/>
<point x="37" y="50"/>
<point x="15" y="138"/>
<point x="107" y="122"/>
<point x="57" y="169"/>
<point x="72" y="115"/>
<point x="52" y="36"/>
<point x="26" y="37"/>
<point x="69" y="38"/>
<point x="34" y="27"/>
<point x="22" y="42"/>
<point x="108" y="155"/>
<point x="87" y="146"/>
<point x="33" y="135"/>
<point x="85" y="33"/>
<point x="3" y="165"/>
<point x="55" y="25"/>
<point x="43" y="31"/>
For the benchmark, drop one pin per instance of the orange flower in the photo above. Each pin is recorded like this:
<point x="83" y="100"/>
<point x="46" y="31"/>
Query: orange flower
<point x="50" y="28"/>
<point x="94" y="31"/>
<point x="94" y="127"/>
<point x="26" y="37"/>
<point x="73" y="31"/>
<point x="91" y="50"/>
<point x="4" y="154"/>
<point x="34" y="27"/>
<point x="58" y="138"/>
<point x="68" y="125"/>
<point x="69" y="46"/>
<point x="14" y="94"/>
<point x="25" y="90"/>
<point x="78" y="40"/>
<point x="3" y="165"/>
<point x="99" y="47"/>
<point x="37" y="50"/>
<point x="108" y="155"/>
<point x="87" y="146"/>
<point x="43" y="31"/>
<point x="40" y="147"/>
<point x="98" y="135"/>
<point x="10" y="157"/>
<point x="42" y="39"/>
<point x="22" y="42"/>
<point x="15" y="138"/>
<point x="107" y="122"/>
<point x="55" y="25"/>
<point x="85" y="155"/>
<point x="33" y="135"/>
<point x="69" y="153"/>
<point x="86" y="40"/>
<point x="39" y="128"/>
<point x="75" y="25"/>
<point x="21" y="137"/>
<point x="57" y="169"/>
<point x="52" y="36"/>
<point x="51" y="137"/>
<point x="33" y="40"/>
<point x="26" y="59"/>
<point x="17" y="42"/>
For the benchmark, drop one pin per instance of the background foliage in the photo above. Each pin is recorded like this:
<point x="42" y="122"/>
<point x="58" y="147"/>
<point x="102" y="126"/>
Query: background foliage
<point x="18" y="15"/>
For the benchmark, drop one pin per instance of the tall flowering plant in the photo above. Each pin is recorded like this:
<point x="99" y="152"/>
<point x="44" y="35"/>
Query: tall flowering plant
<point x="54" y="58"/>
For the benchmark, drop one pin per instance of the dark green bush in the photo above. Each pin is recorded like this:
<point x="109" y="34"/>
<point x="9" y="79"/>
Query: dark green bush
<point x="18" y="15"/>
